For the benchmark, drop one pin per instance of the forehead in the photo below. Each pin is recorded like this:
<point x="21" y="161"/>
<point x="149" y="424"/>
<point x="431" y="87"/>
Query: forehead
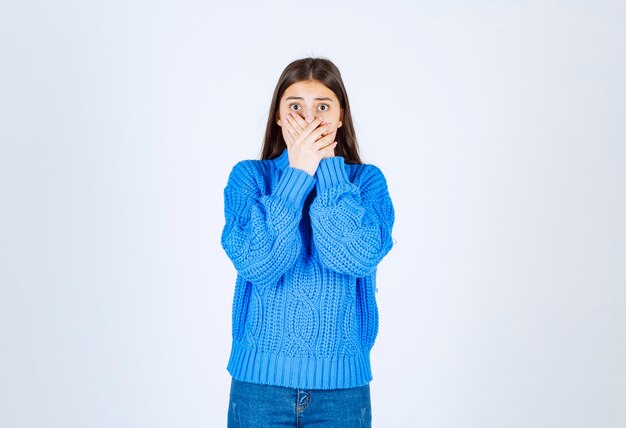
<point x="308" y="90"/>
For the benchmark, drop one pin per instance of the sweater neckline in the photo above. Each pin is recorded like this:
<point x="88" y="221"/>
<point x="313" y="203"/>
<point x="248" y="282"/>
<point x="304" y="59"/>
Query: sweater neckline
<point x="282" y="161"/>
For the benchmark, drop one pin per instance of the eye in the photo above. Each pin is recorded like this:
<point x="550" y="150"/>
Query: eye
<point x="326" y="106"/>
<point x="296" y="105"/>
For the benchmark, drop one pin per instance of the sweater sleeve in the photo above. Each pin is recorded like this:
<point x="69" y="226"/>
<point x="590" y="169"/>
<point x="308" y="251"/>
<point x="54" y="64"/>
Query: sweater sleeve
<point x="261" y="235"/>
<point x="351" y="221"/>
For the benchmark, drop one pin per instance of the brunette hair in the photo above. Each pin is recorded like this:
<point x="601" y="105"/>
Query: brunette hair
<point x="324" y="71"/>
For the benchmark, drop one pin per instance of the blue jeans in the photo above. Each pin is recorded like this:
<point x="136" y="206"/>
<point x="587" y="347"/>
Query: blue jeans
<point x="255" y="405"/>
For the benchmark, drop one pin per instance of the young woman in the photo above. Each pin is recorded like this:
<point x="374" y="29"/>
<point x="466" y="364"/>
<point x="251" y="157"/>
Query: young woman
<point x="306" y="227"/>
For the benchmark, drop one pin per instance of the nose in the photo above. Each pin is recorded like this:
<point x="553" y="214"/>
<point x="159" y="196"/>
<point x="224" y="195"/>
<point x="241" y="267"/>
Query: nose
<point x="309" y="114"/>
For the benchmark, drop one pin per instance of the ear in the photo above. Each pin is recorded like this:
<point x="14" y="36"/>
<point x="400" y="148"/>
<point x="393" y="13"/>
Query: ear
<point x="340" y="119"/>
<point x="277" y="119"/>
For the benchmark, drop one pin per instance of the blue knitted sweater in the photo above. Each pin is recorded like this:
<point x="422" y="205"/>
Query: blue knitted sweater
<point x="306" y="249"/>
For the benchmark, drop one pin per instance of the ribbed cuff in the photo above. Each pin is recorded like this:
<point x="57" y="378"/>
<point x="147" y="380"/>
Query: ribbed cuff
<point x="331" y="172"/>
<point x="294" y="185"/>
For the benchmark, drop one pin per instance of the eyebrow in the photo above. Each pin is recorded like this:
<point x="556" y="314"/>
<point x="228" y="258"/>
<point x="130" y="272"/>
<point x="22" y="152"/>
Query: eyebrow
<point x="317" y="99"/>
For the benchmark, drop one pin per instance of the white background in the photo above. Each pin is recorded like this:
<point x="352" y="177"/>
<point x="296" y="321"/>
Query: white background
<point x="501" y="129"/>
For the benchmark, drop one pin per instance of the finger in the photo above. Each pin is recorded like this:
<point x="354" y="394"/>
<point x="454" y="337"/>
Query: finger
<point x="314" y="124"/>
<point x="329" y="150"/>
<point x="306" y="131"/>
<point x="299" y="122"/>
<point x="290" y="129"/>
<point x="313" y="134"/>
<point x="323" y="142"/>
<point x="317" y="133"/>
<point x="288" y="133"/>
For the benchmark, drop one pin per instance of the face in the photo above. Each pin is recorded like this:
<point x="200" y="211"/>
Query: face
<point x="311" y="99"/>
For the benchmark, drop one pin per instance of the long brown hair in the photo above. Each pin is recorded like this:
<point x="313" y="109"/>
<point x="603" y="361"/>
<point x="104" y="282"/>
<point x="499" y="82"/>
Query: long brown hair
<point x="324" y="71"/>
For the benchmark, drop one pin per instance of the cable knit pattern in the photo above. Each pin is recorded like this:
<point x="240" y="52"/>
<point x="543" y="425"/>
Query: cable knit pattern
<point x="306" y="250"/>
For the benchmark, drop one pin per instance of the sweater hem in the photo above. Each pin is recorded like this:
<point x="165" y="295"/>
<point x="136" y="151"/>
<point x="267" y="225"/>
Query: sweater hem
<point x="252" y="365"/>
